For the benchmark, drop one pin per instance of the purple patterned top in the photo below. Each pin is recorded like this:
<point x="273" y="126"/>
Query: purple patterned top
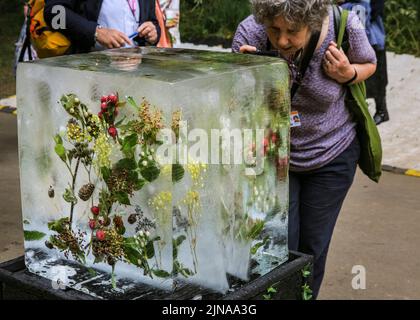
<point x="327" y="128"/>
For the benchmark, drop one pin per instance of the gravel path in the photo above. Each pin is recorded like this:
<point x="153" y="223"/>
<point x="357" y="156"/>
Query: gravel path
<point x="401" y="135"/>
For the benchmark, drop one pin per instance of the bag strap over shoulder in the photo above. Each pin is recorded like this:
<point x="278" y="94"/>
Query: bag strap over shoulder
<point x="340" y="22"/>
<point x="371" y="149"/>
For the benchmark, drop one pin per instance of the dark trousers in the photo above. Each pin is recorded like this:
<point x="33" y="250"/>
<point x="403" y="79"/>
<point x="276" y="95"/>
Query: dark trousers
<point x="316" y="198"/>
<point x="377" y="83"/>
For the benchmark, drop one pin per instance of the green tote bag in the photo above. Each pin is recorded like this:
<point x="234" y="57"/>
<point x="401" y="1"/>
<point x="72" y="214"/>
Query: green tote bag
<point x="370" y="161"/>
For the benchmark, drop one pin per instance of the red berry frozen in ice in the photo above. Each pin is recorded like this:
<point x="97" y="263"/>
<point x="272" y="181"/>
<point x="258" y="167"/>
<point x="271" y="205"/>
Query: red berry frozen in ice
<point x="92" y="224"/>
<point x="100" y="235"/>
<point x="265" y="142"/>
<point x="113" y="98"/>
<point x="112" y="132"/>
<point x="104" y="99"/>
<point x="95" y="210"/>
<point x="266" y="146"/>
<point x="273" y="138"/>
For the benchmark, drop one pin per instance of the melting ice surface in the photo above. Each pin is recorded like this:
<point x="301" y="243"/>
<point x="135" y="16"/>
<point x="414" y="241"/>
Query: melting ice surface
<point x="195" y="222"/>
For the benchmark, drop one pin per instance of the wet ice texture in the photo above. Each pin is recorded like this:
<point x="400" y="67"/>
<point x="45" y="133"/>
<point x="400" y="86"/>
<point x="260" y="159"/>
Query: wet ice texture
<point x="240" y="226"/>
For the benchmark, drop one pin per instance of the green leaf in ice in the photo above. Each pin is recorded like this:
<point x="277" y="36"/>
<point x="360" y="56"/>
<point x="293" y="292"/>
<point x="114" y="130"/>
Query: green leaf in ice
<point x="126" y="163"/>
<point x="175" y="244"/>
<point x="30" y="235"/>
<point x="129" y="144"/>
<point x="178" y="268"/>
<point x="161" y="273"/>
<point x="59" y="225"/>
<point x="258" y="245"/>
<point x="177" y="172"/>
<point x="256" y="230"/>
<point x="60" y="151"/>
<point x="150" y="250"/>
<point x="130" y="251"/>
<point x="139" y="184"/>
<point x="69" y="196"/>
<point x="58" y="139"/>
<point x="120" y="122"/>
<point x="132" y="103"/>
<point x="150" y="172"/>
<point x="122" y="198"/>
<point x="106" y="173"/>
<point x="180" y="240"/>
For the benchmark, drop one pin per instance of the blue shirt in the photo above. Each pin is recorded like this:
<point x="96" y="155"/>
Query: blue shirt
<point x="117" y="14"/>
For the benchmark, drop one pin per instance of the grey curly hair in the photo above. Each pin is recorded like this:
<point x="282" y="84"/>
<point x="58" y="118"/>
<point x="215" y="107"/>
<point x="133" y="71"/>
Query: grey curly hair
<point x="297" y="12"/>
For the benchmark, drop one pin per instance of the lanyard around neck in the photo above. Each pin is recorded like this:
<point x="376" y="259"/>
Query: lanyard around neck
<point x="133" y="4"/>
<point x="304" y="60"/>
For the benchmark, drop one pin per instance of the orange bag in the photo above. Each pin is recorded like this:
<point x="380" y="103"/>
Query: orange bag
<point x="47" y="42"/>
<point x="165" y="38"/>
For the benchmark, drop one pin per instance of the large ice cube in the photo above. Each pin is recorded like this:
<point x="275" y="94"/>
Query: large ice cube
<point x="96" y="191"/>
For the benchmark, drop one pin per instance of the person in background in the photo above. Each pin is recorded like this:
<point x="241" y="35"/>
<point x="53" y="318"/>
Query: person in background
<point x="106" y="24"/>
<point x="372" y="14"/>
<point x="170" y="10"/>
<point x="324" y="147"/>
<point x="165" y="37"/>
<point x="24" y="51"/>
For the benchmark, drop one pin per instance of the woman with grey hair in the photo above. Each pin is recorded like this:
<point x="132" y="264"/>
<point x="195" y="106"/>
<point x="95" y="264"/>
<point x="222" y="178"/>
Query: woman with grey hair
<point x="324" y="149"/>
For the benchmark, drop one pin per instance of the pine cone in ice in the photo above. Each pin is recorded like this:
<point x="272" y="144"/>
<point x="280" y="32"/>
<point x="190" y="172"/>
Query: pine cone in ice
<point x="118" y="222"/>
<point x="86" y="191"/>
<point x="132" y="218"/>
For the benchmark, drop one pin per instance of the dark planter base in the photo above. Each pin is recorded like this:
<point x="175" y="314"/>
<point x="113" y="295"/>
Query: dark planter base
<point x="16" y="282"/>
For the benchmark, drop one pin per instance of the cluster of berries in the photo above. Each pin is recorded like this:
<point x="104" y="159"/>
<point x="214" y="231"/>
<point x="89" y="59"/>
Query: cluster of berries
<point x="95" y="223"/>
<point x="269" y="144"/>
<point x="109" y="112"/>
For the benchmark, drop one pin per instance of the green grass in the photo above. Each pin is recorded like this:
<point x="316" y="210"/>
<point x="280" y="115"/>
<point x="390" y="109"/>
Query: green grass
<point x="10" y="24"/>
<point x="203" y="20"/>
<point x="402" y="25"/>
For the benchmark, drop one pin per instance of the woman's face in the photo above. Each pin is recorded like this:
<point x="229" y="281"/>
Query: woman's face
<point x="285" y="37"/>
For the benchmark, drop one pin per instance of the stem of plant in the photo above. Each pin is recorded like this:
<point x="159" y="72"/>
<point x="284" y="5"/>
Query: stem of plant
<point x="114" y="284"/>
<point x="194" y="257"/>
<point x="72" y="189"/>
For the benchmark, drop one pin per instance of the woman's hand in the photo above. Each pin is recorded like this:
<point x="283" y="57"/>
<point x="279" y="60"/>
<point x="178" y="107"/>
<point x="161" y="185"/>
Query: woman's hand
<point x="148" y="31"/>
<point x="110" y="38"/>
<point x="247" y="49"/>
<point x="337" y="66"/>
